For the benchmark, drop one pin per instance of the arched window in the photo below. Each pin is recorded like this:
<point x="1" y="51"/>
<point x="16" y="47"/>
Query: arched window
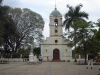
<point x="55" y="22"/>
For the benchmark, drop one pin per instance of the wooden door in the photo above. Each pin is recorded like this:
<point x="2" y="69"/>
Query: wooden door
<point x="56" y="54"/>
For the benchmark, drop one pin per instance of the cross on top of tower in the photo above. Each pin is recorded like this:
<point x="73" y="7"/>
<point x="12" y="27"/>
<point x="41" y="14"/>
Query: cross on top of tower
<point x="55" y="4"/>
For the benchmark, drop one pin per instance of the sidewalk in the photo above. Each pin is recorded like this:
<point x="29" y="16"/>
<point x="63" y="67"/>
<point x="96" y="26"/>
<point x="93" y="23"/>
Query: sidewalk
<point x="47" y="68"/>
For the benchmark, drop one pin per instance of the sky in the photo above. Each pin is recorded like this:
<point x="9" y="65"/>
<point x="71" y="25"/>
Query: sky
<point x="45" y="7"/>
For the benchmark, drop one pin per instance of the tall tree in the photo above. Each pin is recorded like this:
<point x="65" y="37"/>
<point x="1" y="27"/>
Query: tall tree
<point x="28" y="24"/>
<point x="85" y="38"/>
<point x="3" y="14"/>
<point x="71" y="16"/>
<point x="7" y="27"/>
<point x="83" y="34"/>
<point x="98" y="32"/>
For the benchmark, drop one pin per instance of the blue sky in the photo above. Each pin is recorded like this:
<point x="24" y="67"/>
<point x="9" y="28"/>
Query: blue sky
<point x="45" y="7"/>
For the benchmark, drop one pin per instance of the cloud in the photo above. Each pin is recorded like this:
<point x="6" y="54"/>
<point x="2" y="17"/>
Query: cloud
<point x="45" y="7"/>
<point x="12" y="3"/>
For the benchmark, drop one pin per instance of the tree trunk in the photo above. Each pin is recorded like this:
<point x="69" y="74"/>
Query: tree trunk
<point x="85" y="53"/>
<point x="75" y="46"/>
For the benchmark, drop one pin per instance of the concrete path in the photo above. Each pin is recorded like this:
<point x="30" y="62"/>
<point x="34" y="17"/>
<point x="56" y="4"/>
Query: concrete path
<point x="47" y="68"/>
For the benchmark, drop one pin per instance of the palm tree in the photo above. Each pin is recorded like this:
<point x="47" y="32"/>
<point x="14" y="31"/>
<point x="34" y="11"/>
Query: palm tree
<point x="71" y="16"/>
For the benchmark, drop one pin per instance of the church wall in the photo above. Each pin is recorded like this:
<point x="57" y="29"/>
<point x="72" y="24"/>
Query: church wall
<point x="51" y="21"/>
<point x="53" y="28"/>
<point x="60" y="20"/>
<point x="59" y="30"/>
<point x="50" y="54"/>
<point x="46" y="53"/>
<point x="46" y="50"/>
<point x="56" y="38"/>
<point x="65" y="52"/>
<point x="41" y="51"/>
<point x="62" y="49"/>
<point x="70" y="53"/>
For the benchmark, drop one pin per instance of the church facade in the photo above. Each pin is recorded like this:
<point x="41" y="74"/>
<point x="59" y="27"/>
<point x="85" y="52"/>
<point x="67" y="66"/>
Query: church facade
<point x="55" y="48"/>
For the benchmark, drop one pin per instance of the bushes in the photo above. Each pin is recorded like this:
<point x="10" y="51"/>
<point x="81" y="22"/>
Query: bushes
<point x="15" y="55"/>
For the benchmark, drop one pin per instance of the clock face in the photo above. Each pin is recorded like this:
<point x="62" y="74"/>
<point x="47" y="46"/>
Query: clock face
<point x="56" y="31"/>
<point x="56" y="41"/>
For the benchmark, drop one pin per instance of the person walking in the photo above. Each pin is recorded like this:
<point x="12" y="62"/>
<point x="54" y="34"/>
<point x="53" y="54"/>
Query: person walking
<point x="90" y="60"/>
<point x="40" y="58"/>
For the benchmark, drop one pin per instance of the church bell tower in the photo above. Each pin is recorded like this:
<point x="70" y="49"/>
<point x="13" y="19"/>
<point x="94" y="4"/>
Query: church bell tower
<point x="55" y="23"/>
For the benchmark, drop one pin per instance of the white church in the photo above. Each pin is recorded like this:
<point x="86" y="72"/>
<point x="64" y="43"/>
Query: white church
<point x="55" y="48"/>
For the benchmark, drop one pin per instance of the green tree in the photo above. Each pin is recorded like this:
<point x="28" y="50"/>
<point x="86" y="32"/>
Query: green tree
<point x="85" y="38"/>
<point x="98" y="32"/>
<point x="97" y="37"/>
<point x="83" y="34"/>
<point x="28" y="24"/>
<point x="7" y="25"/>
<point x="7" y="28"/>
<point x="37" y="50"/>
<point x="3" y="13"/>
<point x="71" y="16"/>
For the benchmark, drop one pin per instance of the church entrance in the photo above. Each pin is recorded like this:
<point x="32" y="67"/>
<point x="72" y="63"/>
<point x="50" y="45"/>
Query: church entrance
<point x="56" y="54"/>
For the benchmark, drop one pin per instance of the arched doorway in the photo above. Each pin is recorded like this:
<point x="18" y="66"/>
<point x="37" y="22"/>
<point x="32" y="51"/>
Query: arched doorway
<point x="56" y="54"/>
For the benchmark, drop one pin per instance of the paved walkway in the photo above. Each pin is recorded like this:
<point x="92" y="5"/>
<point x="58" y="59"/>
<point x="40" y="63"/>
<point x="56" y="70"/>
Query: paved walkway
<point x="47" y="68"/>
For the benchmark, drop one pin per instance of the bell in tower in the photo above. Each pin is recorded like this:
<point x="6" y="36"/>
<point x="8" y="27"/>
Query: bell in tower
<point x="56" y="22"/>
